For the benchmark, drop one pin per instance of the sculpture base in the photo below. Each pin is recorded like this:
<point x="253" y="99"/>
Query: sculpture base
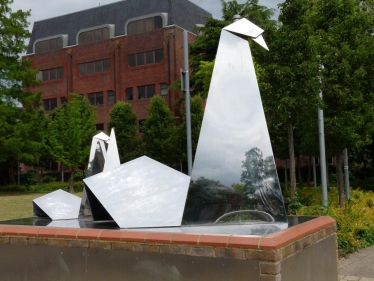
<point x="305" y="251"/>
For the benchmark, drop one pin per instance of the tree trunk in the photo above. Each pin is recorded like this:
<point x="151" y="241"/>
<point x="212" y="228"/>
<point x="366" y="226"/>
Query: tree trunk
<point x="300" y="177"/>
<point x="71" y="181"/>
<point x="291" y="152"/>
<point x="11" y="176"/>
<point x="309" y="170"/>
<point x="41" y="174"/>
<point x="339" y="179"/>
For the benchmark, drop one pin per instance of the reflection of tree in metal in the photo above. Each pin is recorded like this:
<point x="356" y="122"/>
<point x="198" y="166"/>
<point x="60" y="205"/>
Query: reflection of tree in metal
<point x="261" y="182"/>
<point x="253" y="215"/>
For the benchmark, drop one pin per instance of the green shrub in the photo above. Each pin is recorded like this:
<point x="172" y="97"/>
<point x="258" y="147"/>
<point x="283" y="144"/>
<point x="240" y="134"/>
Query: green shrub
<point x="79" y="176"/>
<point x="28" y="178"/>
<point x="52" y="186"/>
<point x="13" y="188"/>
<point x="48" y="179"/>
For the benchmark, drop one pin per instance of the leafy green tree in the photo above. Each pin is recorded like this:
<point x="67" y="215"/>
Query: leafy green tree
<point x="124" y="121"/>
<point x="19" y="131"/>
<point x="71" y="129"/>
<point x="343" y="36"/>
<point x="160" y="137"/>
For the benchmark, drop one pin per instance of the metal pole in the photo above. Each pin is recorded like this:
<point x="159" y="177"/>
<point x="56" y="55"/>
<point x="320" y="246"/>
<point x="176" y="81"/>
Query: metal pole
<point x="314" y="172"/>
<point x="187" y="101"/>
<point x="285" y="173"/>
<point x="346" y="173"/>
<point x="321" y="129"/>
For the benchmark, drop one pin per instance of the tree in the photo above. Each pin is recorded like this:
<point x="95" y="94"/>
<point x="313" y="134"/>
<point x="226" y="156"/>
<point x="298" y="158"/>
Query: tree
<point x="124" y="121"/>
<point x="343" y="36"/>
<point x="71" y="129"/>
<point x="159" y="133"/>
<point x="19" y="129"/>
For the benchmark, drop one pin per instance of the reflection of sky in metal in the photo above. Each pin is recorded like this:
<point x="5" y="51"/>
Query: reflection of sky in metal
<point x="234" y="120"/>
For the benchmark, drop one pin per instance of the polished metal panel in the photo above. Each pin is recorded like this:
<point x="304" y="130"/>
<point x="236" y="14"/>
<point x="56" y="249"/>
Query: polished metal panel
<point x="141" y="193"/>
<point x="95" y="165"/>
<point x="58" y="205"/>
<point x="112" y="156"/>
<point x="234" y="166"/>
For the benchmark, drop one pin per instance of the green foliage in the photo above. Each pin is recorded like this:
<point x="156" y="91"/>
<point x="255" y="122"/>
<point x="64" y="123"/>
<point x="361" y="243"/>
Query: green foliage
<point x="355" y="223"/>
<point x="14" y="188"/>
<point x="19" y="132"/>
<point x="79" y="176"/>
<point x="71" y="129"/>
<point x="28" y="178"/>
<point x="48" y="179"/>
<point x="52" y="186"/>
<point x="160" y="138"/>
<point x="124" y="121"/>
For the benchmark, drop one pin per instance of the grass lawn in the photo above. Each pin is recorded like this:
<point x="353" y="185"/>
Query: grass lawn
<point x="17" y="205"/>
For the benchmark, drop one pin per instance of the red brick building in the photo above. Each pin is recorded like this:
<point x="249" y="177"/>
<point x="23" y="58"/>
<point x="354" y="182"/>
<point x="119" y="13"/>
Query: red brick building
<point x="126" y="51"/>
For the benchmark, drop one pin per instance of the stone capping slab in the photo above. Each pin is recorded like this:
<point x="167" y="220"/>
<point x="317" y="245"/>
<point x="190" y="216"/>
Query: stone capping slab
<point x="272" y="242"/>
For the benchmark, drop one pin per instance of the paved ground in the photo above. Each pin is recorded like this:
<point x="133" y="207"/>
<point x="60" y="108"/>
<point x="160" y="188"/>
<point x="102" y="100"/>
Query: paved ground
<point x="358" y="266"/>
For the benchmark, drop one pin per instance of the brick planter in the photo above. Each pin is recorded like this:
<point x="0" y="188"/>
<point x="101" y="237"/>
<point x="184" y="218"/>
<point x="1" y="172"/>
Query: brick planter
<point x="303" y="252"/>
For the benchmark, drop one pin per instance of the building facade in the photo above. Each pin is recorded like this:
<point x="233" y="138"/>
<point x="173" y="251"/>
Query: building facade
<point x="126" y="51"/>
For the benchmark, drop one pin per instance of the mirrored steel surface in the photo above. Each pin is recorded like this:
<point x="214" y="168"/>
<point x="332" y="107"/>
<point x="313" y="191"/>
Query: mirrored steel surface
<point x="234" y="167"/>
<point x="141" y="193"/>
<point x="58" y="205"/>
<point x="112" y="156"/>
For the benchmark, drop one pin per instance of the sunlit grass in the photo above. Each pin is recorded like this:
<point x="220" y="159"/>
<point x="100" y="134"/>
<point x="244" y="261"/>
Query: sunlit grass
<point x="17" y="205"/>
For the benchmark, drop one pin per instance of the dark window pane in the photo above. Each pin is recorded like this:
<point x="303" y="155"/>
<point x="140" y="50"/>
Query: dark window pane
<point x="149" y="24"/>
<point x="164" y="90"/>
<point x="141" y="92"/>
<point x="99" y="98"/>
<point x="98" y="35"/>
<point x="149" y="57"/>
<point x="139" y="26"/>
<point x="106" y="65"/>
<point x="39" y="47"/>
<point x="158" y="22"/>
<point x="99" y="127"/>
<point x="45" y="75"/>
<point x="46" y="105"/>
<point x="52" y="74"/>
<point x="59" y="44"/>
<point x="89" y="37"/>
<point x="140" y="59"/>
<point x="106" y="33"/>
<point x="111" y="97"/>
<point x="131" y="60"/>
<point x="159" y="55"/>
<point x="39" y="75"/>
<point x="151" y="91"/>
<point x="128" y="94"/>
<point x="82" y="69"/>
<point x="63" y="100"/>
<point x="53" y="103"/>
<point x="52" y="44"/>
<point x="45" y="46"/>
<point x="90" y="67"/>
<point x="98" y="66"/>
<point x="91" y="99"/>
<point x="60" y="72"/>
<point x="82" y="38"/>
<point x="131" y="28"/>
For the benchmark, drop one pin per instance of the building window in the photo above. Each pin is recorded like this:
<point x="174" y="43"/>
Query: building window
<point x="50" y="74"/>
<point x="48" y="45"/>
<point x="146" y="92"/>
<point x="129" y="94"/>
<point x="144" y="25"/>
<point x="164" y="90"/>
<point x="63" y="100"/>
<point x="100" y="127"/>
<point x="111" y="97"/>
<point x="145" y="58"/>
<point x="140" y="124"/>
<point x="94" y="67"/>
<point x="51" y="166"/>
<point x="50" y="104"/>
<point x="95" y="98"/>
<point x="92" y="36"/>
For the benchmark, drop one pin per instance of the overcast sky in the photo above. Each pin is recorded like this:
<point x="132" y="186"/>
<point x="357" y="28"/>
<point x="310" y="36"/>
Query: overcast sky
<point x="44" y="9"/>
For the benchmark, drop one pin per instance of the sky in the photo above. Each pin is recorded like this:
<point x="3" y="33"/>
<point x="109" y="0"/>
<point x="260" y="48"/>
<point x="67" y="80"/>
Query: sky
<point x="44" y="9"/>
